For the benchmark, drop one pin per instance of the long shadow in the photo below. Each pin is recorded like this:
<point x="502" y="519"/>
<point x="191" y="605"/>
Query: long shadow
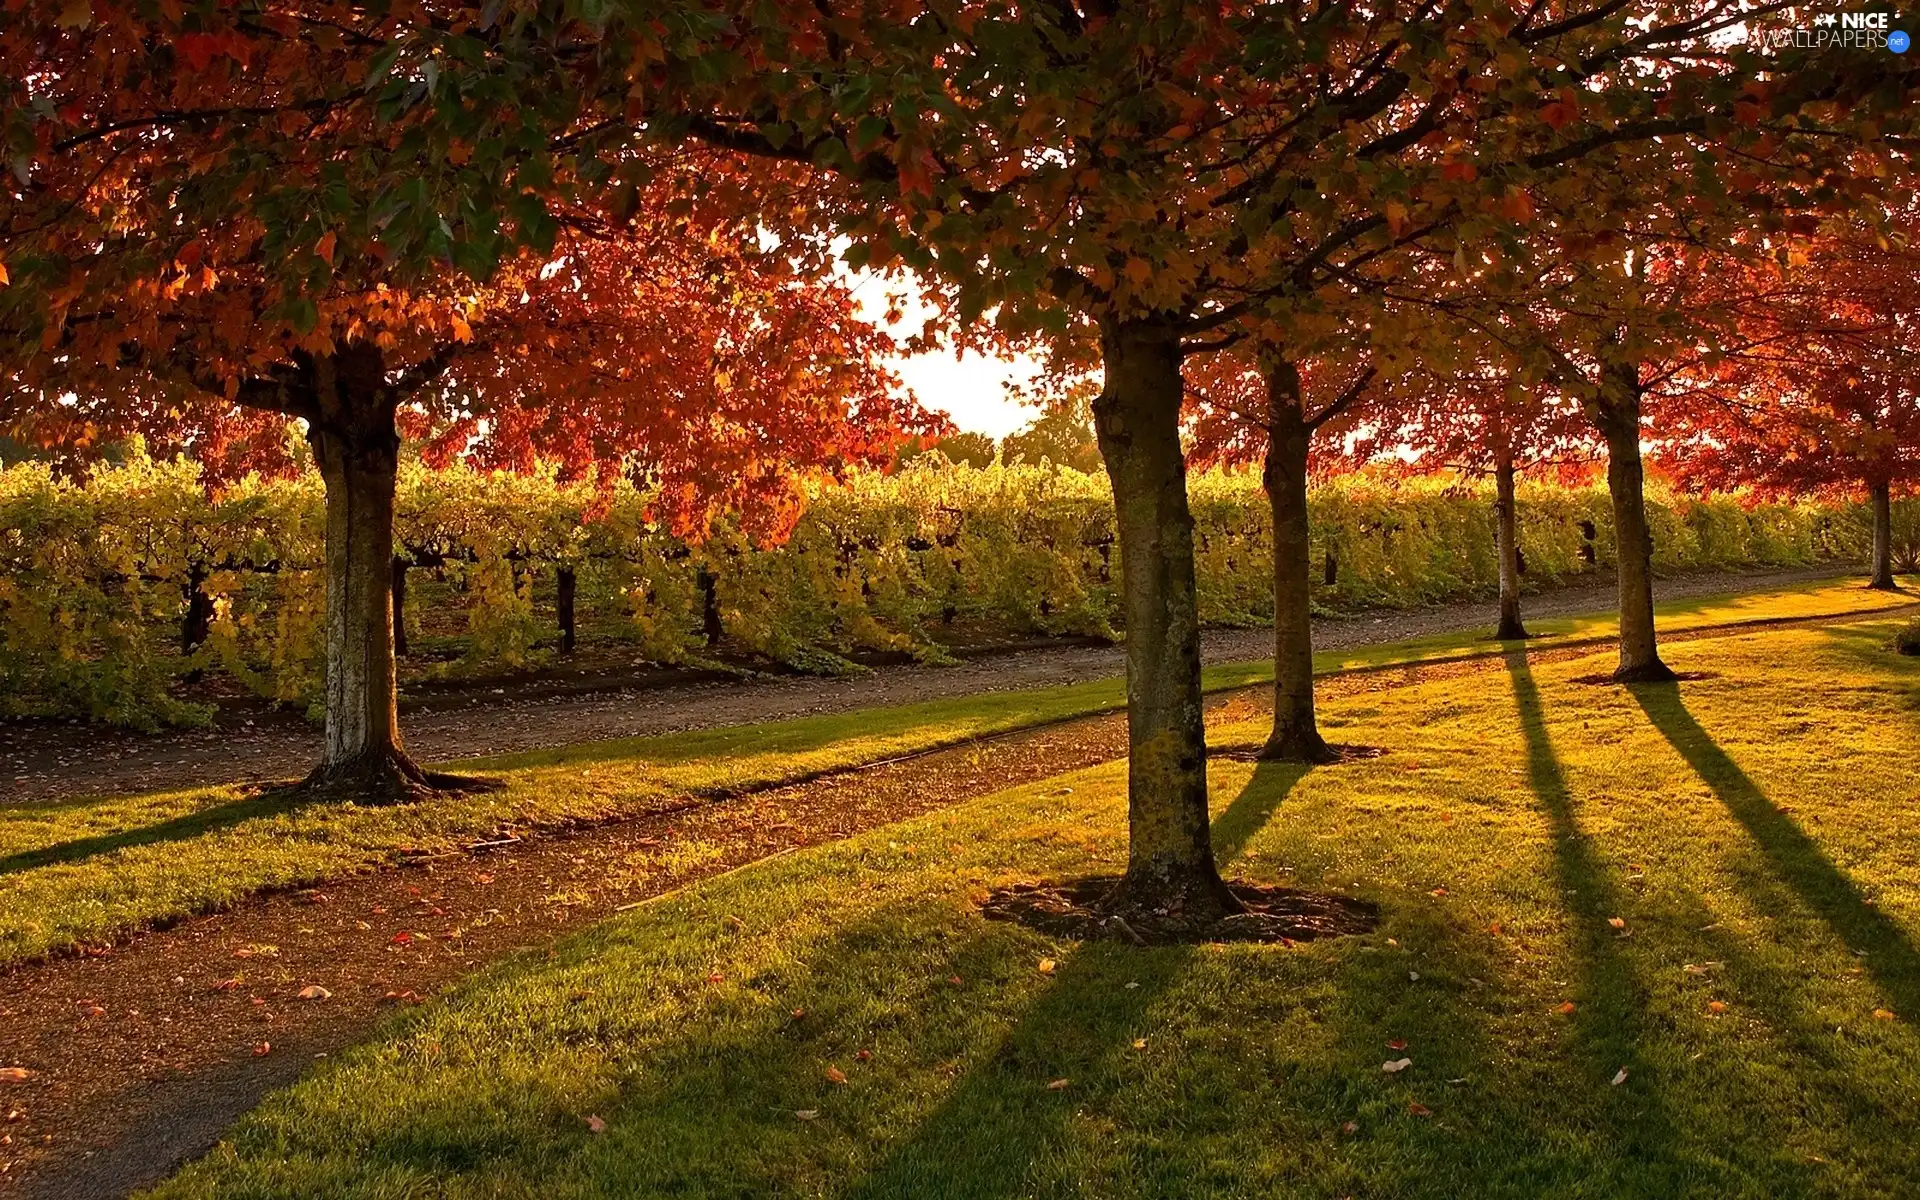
<point x="1795" y="857"/>
<point x="175" y="829"/>
<point x="1609" y="1022"/>
<point x="983" y="1140"/>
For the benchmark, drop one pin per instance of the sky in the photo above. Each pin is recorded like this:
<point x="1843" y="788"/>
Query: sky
<point x="971" y="390"/>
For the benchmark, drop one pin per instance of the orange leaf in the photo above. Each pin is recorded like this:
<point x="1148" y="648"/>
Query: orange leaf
<point x="1566" y="1008"/>
<point x="836" y="1075"/>
<point x="324" y="247"/>
<point x="596" y="1125"/>
<point x="1058" y="1085"/>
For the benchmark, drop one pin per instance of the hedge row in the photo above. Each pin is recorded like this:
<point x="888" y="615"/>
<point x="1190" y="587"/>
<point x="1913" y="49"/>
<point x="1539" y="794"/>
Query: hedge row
<point x="114" y="588"/>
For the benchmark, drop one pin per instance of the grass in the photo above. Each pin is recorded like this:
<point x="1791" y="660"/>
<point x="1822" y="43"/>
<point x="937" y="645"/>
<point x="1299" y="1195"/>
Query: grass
<point x="1751" y="833"/>
<point x="82" y="871"/>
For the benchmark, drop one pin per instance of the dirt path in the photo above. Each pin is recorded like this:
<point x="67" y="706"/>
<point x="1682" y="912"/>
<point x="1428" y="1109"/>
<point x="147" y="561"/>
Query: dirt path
<point x="49" y="760"/>
<point x="142" y="1057"/>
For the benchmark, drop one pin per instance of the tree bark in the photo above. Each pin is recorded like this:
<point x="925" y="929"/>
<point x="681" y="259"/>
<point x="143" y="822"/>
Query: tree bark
<point x="400" y="568"/>
<point x="1296" y="735"/>
<point x="357" y="448"/>
<point x="1170" y="867"/>
<point x="197" y="623"/>
<point x="564" y="584"/>
<point x="1507" y="525"/>
<point x="1882" y="494"/>
<point x="1617" y="414"/>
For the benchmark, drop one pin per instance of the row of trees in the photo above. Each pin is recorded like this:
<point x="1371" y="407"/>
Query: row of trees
<point x="456" y="218"/>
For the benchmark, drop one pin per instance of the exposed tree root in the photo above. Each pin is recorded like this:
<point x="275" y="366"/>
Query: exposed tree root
<point x="1327" y="754"/>
<point x="387" y="777"/>
<point x="1095" y="908"/>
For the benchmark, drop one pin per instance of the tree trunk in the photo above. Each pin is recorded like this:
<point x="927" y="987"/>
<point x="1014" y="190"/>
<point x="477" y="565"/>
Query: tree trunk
<point x="1617" y="415"/>
<point x="1507" y="522"/>
<point x="565" y="583"/>
<point x="1296" y="736"/>
<point x="1882" y="538"/>
<point x="357" y="448"/>
<point x="1170" y="867"/>
<point x="197" y="623"/>
<point x="400" y="568"/>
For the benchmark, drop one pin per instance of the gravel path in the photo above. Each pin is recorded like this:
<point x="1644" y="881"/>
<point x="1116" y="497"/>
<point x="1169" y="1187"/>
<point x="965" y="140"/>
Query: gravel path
<point x="53" y="760"/>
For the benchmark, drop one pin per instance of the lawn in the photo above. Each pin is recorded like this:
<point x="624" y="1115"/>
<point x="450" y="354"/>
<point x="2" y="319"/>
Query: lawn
<point x="1652" y="942"/>
<point x="81" y="871"/>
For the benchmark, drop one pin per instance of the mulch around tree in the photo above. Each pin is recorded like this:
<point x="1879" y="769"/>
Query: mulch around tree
<point x="1276" y="915"/>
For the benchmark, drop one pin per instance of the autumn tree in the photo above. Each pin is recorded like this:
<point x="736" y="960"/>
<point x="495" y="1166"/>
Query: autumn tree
<point x="1479" y="419"/>
<point x="1264" y="404"/>
<point x="1145" y="176"/>
<point x="1820" y="396"/>
<point x="222" y="220"/>
<point x="1138" y="177"/>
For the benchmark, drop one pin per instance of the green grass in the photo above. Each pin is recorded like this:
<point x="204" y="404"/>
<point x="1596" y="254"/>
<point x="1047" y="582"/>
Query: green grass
<point x="1756" y="826"/>
<point x="1816" y="598"/>
<point x="81" y="871"/>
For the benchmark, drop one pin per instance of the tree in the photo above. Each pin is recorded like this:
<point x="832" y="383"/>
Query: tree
<point x="1136" y="177"/>
<point x="1062" y="435"/>
<point x="1273" y="409"/>
<point x="1141" y="177"/>
<point x="163" y="280"/>
<point x="1480" y="420"/>
<point x="1820" y="397"/>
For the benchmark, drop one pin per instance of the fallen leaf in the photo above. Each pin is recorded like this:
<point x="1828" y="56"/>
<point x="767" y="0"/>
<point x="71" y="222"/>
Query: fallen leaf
<point x="315" y="992"/>
<point x="263" y="1049"/>
<point x="1439" y="891"/>
<point x="798" y="1013"/>
<point x="403" y="938"/>
<point x="1046" y="966"/>
<point x="1494" y="929"/>
<point x="1619" y="1077"/>
<point x="596" y="1125"/>
<point x="807" y="1114"/>
<point x="1716" y="1006"/>
<point x="863" y="1055"/>
<point x="1418" y="1109"/>
<point x="1139" y="1043"/>
<point x="1058" y="1085"/>
<point x="1350" y="1127"/>
<point x="836" y="1075"/>
<point x="716" y="977"/>
<point x="14" y="1074"/>
<point x="955" y="980"/>
<point x="1566" y="1008"/>
<point x="1414" y="976"/>
<point x="1395" y="1066"/>
<point x="1882" y="1014"/>
<point x="1617" y="922"/>
<point x="1397" y="1044"/>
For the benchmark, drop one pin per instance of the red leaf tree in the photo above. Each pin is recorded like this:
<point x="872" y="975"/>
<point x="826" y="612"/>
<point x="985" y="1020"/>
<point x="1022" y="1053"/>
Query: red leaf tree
<point x="224" y="219"/>
<point x="1824" y="397"/>
<point x="1287" y="413"/>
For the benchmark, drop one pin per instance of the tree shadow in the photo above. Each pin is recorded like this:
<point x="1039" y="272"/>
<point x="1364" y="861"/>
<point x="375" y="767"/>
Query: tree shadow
<point x="984" y="1138"/>
<point x="266" y="803"/>
<point x="1889" y="956"/>
<point x="1609" y="1020"/>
